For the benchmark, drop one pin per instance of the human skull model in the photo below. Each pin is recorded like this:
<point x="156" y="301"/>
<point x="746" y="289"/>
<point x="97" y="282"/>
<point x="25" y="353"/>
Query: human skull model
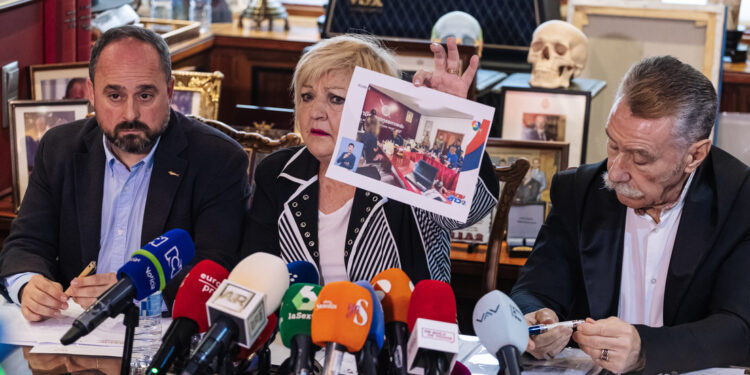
<point x="558" y="53"/>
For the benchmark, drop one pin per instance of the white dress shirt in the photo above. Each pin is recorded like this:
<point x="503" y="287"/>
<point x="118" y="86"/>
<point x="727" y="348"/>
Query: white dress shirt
<point x="331" y="241"/>
<point x="647" y="249"/>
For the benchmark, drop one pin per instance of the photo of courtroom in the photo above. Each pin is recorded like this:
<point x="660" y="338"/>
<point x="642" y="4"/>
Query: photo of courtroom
<point x="376" y="187"/>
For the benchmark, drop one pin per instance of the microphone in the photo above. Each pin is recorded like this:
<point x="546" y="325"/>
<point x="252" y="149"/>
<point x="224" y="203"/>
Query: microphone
<point x="340" y="321"/>
<point x="460" y="369"/>
<point x="433" y="344"/>
<point x="394" y="289"/>
<point x="301" y="271"/>
<point x="238" y="309"/>
<point x="148" y="271"/>
<point x="188" y="313"/>
<point x="294" y="326"/>
<point x="502" y="329"/>
<point x="265" y="335"/>
<point x="367" y="358"/>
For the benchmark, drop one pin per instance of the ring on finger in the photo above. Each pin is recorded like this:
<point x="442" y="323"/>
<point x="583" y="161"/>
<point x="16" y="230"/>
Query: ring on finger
<point x="452" y="71"/>
<point x="605" y="355"/>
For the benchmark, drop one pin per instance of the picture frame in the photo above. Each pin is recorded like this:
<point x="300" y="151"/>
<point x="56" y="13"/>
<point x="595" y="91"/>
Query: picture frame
<point x="53" y="81"/>
<point x="197" y="93"/>
<point x="622" y="32"/>
<point x="553" y="158"/>
<point x="564" y="117"/>
<point x="29" y="120"/>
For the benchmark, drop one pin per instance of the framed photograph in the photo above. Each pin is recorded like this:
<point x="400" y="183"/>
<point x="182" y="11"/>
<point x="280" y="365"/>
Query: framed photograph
<point x="197" y="93"/>
<point x="59" y="81"/>
<point x="546" y="159"/>
<point x="547" y="115"/>
<point x="29" y="120"/>
<point x="419" y="146"/>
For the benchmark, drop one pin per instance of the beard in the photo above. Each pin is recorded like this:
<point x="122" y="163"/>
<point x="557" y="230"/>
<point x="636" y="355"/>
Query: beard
<point x="621" y="188"/>
<point x="135" y="143"/>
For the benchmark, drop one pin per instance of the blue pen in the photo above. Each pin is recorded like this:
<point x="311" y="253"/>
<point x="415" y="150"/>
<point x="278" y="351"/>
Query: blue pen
<point x="541" y="328"/>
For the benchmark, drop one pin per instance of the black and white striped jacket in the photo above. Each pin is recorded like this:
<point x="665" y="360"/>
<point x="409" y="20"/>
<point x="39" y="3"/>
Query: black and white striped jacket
<point x="381" y="234"/>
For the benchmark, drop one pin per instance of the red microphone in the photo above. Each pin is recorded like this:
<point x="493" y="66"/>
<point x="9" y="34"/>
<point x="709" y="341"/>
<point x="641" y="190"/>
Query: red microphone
<point x="262" y="340"/>
<point x="189" y="315"/>
<point x="433" y="343"/>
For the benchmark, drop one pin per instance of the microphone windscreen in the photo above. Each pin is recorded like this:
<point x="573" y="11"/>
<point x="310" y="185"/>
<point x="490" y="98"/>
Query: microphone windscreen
<point x="296" y="311"/>
<point x="434" y="300"/>
<point x="156" y="263"/>
<point x="342" y="315"/>
<point x="265" y="273"/>
<point x="460" y="369"/>
<point x="377" y="327"/>
<point x="197" y="287"/>
<point x="499" y="322"/>
<point x="264" y="336"/>
<point x="396" y="288"/>
<point x="301" y="271"/>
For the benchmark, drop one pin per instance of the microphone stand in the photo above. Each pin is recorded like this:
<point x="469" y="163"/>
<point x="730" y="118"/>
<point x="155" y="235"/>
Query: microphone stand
<point x="508" y="356"/>
<point x="130" y="321"/>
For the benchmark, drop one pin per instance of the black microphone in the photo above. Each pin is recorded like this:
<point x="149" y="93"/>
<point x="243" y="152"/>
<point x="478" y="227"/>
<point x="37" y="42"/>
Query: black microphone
<point x="188" y="314"/>
<point x="238" y="310"/>
<point x="147" y="271"/>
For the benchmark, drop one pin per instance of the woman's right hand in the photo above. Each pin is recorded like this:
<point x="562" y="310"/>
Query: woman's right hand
<point x="445" y="78"/>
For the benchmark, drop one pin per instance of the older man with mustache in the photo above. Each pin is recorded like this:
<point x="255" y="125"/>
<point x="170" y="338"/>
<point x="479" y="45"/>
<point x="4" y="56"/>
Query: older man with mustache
<point x="652" y="245"/>
<point x="103" y="187"/>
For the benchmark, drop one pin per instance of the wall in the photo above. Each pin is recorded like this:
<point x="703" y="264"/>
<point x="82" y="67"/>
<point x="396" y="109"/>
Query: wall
<point x="20" y="40"/>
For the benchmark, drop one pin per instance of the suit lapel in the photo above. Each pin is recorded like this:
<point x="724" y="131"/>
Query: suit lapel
<point x="88" y="173"/>
<point x="601" y="241"/>
<point x="695" y="234"/>
<point x="166" y="175"/>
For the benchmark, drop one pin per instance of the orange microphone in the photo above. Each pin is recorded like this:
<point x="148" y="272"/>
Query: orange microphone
<point x="394" y="288"/>
<point x="340" y="321"/>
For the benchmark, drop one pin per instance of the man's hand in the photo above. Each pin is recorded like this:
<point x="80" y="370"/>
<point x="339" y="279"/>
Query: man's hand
<point x="620" y="339"/>
<point x="551" y="343"/>
<point x="85" y="290"/>
<point x="42" y="298"/>
<point x="445" y="78"/>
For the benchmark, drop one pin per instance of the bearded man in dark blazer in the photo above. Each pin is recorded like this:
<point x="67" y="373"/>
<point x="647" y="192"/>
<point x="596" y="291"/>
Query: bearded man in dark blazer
<point x="652" y="245"/>
<point x="104" y="186"/>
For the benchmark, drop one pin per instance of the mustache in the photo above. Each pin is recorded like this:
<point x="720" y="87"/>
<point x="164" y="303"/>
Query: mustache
<point x="621" y="188"/>
<point x="131" y="125"/>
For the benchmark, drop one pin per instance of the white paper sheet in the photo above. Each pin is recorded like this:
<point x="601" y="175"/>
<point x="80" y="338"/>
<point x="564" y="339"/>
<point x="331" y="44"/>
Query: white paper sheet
<point x="105" y="340"/>
<point x="440" y="181"/>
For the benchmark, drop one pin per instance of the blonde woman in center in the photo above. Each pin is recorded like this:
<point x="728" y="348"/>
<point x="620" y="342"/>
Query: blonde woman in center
<point x="350" y="233"/>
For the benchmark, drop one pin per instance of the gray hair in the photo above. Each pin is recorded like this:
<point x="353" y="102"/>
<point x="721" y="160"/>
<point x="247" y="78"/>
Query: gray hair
<point x="658" y="87"/>
<point x="135" y="32"/>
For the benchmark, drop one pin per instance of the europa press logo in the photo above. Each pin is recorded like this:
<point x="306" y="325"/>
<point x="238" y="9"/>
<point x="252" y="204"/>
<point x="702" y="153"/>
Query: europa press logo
<point x="475" y="125"/>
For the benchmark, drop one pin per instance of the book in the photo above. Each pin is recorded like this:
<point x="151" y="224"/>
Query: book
<point x="83" y="30"/>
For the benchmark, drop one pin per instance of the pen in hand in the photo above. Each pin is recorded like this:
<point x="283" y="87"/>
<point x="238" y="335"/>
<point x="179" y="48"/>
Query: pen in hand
<point x="86" y="272"/>
<point x="542" y="328"/>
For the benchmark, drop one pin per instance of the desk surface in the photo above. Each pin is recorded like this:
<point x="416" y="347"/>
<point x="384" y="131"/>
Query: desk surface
<point x="459" y="251"/>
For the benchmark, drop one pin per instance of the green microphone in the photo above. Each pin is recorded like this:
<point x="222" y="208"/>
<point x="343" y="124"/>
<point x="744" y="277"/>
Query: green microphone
<point x="294" y="326"/>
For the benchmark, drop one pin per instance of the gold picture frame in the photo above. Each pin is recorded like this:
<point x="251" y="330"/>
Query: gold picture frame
<point x="207" y="87"/>
<point x="50" y="81"/>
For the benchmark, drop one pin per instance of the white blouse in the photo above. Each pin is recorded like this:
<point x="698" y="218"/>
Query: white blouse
<point x="331" y="241"/>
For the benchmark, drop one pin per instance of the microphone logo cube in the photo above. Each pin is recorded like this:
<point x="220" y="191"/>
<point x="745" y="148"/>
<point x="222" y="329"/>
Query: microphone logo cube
<point x="234" y="297"/>
<point x="156" y="242"/>
<point x="244" y="306"/>
<point x="431" y="336"/>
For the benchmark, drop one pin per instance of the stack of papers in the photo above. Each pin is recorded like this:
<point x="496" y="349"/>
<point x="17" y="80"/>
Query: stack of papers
<point x="44" y="337"/>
